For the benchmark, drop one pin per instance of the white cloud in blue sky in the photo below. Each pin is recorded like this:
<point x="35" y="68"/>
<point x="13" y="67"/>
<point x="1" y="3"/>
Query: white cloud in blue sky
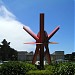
<point x="12" y="30"/>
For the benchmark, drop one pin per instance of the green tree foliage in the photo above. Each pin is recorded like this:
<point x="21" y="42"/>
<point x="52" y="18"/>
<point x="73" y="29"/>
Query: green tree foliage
<point x="6" y="52"/>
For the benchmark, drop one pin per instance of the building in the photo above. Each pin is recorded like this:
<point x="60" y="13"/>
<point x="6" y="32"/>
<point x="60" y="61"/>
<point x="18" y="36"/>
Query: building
<point x="70" y="57"/>
<point x="25" y="56"/>
<point x="22" y="55"/>
<point x="57" y="56"/>
<point x="73" y="56"/>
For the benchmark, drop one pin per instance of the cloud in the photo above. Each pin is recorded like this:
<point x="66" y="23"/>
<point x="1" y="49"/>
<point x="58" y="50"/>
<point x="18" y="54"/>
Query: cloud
<point x="12" y="30"/>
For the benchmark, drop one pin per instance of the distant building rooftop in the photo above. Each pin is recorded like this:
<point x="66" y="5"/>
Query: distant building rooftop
<point x="58" y="53"/>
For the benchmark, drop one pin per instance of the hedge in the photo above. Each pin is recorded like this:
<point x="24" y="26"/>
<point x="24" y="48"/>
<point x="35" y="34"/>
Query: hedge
<point x="16" y="68"/>
<point x="62" y="69"/>
<point x="23" y="68"/>
<point x="39" y="72"/>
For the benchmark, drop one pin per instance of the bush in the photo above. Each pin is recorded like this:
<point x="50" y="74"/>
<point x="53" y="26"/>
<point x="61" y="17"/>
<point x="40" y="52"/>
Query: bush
<point x="30" y="67"/>
<point x="15" y="68"/>
<point x="23" y="68"/>
<point x="66" y="69"/>
<point x="39" y="72"/>
<point x="50" y="68"/>
<point x="62" y="69"/>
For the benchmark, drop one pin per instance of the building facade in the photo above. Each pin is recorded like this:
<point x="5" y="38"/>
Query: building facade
<point x="57" y="56"/>
<point x="25" y="56"/>
<point x="70" y="57"/>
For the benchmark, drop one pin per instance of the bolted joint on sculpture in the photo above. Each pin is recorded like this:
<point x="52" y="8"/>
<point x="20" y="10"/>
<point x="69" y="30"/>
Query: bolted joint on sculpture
<point x="42" y="40"/>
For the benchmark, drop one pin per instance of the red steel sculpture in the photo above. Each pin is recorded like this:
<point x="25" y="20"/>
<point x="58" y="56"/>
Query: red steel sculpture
<point x="42" y="40"/>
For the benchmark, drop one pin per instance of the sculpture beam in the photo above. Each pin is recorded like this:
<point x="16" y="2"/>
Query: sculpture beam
<point x="41" y="41"/>
<point x="31" y="33"/>
<point x="53" y="32"/>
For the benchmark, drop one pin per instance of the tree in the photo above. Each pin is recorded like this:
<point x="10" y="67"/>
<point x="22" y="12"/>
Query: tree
<point x="6" y="52"/>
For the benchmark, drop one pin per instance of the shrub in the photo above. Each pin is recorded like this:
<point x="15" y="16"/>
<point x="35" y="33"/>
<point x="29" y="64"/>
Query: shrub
<point x="62" y="69"/>
<point x="51" y="68"/>
<point x="66" y="69"/>
<point x="39" y="72"/>
<point x="15" y="68"/>
<point x="30" y="67"/>
<point x="23" y="68"/>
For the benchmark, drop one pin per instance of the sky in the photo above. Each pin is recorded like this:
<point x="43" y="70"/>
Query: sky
<point x="14" y="14"/>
